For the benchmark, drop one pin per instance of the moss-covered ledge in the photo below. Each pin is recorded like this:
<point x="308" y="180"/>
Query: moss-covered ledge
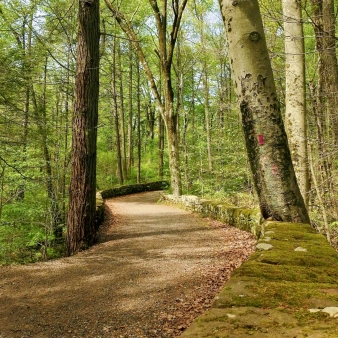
<point x="287" y="288"/>
<point x="243" y="218"/>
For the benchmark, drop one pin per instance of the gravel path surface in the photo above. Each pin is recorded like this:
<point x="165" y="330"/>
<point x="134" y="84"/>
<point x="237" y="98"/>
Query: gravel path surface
<point x="155" y="269"/>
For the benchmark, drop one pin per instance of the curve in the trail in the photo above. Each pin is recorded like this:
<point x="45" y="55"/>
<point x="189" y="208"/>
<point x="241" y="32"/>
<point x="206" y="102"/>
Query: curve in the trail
<point x="150" y="276"/>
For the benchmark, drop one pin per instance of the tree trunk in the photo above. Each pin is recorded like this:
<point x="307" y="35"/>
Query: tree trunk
<point x="324" y="26"/>
<point x="138" y="125"/>
<point x="116" y="116"/>
<point x="122" y="113"/>
<point x="81" y="228"/>
<point x="130" y="109"/>
<point x="207" y="114"/>
<point x="265" y="137"/>
<point x="295" y="106"/>
<point x="160" y="146"/>
<point x="326" y="96"/>
<point x="41" y="120"/>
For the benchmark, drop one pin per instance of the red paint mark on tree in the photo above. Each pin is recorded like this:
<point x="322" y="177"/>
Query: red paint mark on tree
<point x="260" y="139"/>
<point x="274" y="169"/>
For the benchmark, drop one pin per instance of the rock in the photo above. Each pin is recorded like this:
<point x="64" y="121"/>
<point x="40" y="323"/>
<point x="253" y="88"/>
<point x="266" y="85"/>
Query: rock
<point x="266" y="239"/>
<point x="231" y="315"/>
<point x="300" y="249"/>
<point x="314" y="310"/>
<point x="263" y="246"/>
<point x="332" y="311"/>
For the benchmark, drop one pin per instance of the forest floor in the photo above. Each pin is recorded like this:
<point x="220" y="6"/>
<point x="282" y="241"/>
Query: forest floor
<point x="155" y="269"/>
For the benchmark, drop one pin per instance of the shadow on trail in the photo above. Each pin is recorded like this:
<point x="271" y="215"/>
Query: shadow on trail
<point x="118" y="236"/>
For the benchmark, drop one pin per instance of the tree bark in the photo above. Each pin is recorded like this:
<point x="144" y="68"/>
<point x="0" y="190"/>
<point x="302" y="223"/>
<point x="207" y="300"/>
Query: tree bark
<point x="207" y="114"/>
<point x="295" y="104"/>
<point x="81" y="228"/>
<point x="116" y="116"/>
<point x="138" y="126"/>
<point x="40" y="111"/>
<point x="323" y="22"/>
<point x="160" y="146"/>
<point x="130" y="110"/>
<point x="122" y="113"/>
<point x="265" y="137"/>
<point x="325" y="108"/>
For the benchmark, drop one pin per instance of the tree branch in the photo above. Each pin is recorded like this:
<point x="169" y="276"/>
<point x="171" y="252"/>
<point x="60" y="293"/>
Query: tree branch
<point x="128" y="29"/>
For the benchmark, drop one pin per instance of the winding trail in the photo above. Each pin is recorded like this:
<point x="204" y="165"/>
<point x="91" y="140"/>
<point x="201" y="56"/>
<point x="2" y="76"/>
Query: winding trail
<point x="155" y="269"/>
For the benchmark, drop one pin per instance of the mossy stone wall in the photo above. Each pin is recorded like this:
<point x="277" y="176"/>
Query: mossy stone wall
<point x="243" y="218"/>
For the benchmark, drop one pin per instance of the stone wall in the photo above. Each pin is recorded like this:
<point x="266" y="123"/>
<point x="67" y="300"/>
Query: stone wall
<point x="134" y="188"/>
<point x="243" y="218"/>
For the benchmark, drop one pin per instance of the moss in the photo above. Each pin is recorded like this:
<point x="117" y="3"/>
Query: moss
<point x="272" y="292"/>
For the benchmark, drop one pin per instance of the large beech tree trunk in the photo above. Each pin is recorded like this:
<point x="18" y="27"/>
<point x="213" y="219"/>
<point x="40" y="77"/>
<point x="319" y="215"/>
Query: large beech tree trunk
<point x="266" y="140"/>
<point x="81" y="229"/>
<point x="295" y="107"/>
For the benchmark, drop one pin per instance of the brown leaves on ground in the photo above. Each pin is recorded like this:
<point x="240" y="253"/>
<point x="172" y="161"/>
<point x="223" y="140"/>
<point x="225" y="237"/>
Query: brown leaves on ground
<point x="233" y="254"/>
<point x="154" y="271"/>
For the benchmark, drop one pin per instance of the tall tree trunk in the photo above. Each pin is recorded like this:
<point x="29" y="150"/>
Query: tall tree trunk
<point x="41" y="119"/>
<point x="116" y="116"/>
<point x="81" y="227"/>
<point x="2" y="182"/>
<point x="122" y="113"/>
<point x="324" y="26"/>
<point x="66" y="155"/>
<point x="130" y="109"/>
<point x="160" y="146"/>
<point x="138" y="125"/>
<point x="295" y="106"/>
<point x="207" y="114"/>
<point x="323" y="21"/>
<point x="265" y="137"/>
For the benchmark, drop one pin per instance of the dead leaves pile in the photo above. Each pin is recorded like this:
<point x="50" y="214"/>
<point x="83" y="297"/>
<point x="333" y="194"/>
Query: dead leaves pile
<point x="238" y="246"/>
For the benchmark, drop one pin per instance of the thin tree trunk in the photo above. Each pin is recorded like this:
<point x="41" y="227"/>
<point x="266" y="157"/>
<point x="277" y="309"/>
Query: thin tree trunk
<point x="130" y="110"/>
<point x="207" y="115"/>
<point x="265" y="137"/>
<point x="324" y="26"/>
<point x="122" y="114"/>
<point x="160" y="146"/>
<point x="66" y="156"/>
<point x="2" y="181"/>
<point x="318" y="192"/>
<point x="81" y="227"/>
<point x="116" y="117"/>
<point x="323" y="21"/>
<point x="138" y="126"/>
<point x="41" y="119"/>
<point x="295" y="104"/>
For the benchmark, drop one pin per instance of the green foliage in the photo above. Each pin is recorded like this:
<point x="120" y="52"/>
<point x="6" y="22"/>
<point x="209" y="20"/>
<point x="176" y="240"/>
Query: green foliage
<point x="25" y="232"/>
<point x="37" y="63"/>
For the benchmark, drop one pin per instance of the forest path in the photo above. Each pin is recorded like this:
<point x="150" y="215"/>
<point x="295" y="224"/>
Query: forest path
<point x="155" y="269"/>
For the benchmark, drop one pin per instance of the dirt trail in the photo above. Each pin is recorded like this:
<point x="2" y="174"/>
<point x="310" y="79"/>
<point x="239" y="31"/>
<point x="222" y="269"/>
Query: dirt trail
<point x="157" y="267"/>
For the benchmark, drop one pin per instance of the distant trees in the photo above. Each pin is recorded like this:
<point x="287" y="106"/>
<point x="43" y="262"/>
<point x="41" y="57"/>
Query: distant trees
<point x="166" y="41"/>
<point x="163" y="66"/>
